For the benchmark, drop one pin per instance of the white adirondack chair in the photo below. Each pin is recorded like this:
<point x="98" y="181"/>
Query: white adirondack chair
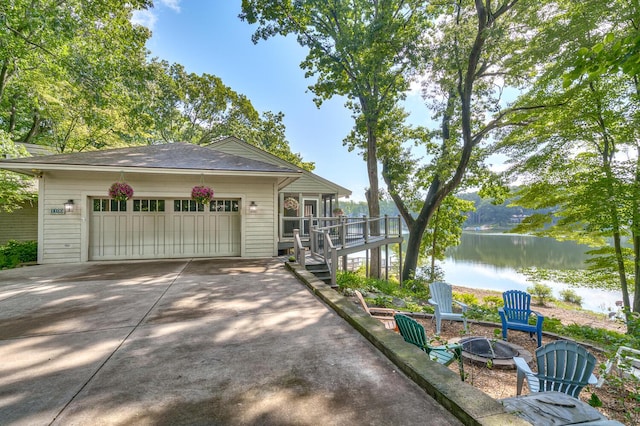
<point x="442" y="301"/>
<point x="626" y="362"/>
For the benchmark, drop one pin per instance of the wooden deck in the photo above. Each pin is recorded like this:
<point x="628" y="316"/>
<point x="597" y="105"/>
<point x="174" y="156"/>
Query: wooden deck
<point x="326" y="245"/>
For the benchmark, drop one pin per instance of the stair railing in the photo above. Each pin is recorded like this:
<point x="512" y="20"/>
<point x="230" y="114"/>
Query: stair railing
<point x="299" y="251"/>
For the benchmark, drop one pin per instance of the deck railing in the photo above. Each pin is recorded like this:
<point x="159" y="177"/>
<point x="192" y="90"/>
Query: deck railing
<point x="339" y="234"/>
<point x="354" y="231"/>
<point x="304" y="225"/>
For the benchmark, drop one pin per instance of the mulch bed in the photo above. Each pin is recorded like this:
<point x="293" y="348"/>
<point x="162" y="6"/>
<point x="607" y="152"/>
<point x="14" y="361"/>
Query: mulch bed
<point x="617" y="401"/>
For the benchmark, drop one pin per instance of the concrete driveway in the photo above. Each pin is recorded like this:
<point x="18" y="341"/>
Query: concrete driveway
<point x="225" y="342"/>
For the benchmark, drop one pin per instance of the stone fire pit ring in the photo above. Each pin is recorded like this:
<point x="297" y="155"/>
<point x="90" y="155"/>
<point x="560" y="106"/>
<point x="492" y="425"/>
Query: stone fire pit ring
<point x="482" y="350"/>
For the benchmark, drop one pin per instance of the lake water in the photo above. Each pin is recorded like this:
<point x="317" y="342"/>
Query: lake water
<point x="492" y="260"/>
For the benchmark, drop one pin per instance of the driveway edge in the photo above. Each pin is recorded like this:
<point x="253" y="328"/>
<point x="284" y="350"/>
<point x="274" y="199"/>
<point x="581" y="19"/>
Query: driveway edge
<point x="470" y="405"/>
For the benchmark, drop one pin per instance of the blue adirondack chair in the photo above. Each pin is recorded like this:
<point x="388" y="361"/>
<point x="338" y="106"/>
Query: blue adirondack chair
<point x="516" y="312"/>
<point x="563" y="366"/>
<point x="442" y="301"/>
<point x="413" y="332"/>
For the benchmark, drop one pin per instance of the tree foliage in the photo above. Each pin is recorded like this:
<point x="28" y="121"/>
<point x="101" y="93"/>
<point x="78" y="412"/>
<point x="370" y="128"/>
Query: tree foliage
<point x="363" y="50"/>
<point x="14" y="188"/>
<point x="581" y="156"/>
<point x="74" y="76"/>
<point x="475" y="52"/>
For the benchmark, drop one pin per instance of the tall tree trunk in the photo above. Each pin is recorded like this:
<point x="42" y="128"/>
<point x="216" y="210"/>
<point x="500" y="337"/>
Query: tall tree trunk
<point x="434" y="245"/>
<point x="12" y="116"/>
<point x="635" y="232"/>
<point x="373" y="197"/>
<point x="33" y="131"/>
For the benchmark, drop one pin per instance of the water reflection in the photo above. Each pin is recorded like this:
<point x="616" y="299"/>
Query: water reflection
<point x="519" y="251"/>
<point x="492" y="261"/>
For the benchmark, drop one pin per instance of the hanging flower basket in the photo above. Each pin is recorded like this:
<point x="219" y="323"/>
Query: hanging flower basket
<point x="120" y="191"/>
<point x="338" y="212"/>
<point x="202" y="194"/>
<point x="291" y="204"/>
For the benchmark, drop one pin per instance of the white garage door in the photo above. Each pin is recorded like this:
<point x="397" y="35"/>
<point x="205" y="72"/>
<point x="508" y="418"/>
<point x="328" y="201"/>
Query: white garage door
<point x="160" y="228"/>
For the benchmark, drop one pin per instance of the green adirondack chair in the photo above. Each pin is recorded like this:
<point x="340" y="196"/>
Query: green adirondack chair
<point x="413" y="332"/>
<point x="563" y="366"/>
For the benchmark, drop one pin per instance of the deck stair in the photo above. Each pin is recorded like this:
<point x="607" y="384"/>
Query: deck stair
<point x="320" y="270"/>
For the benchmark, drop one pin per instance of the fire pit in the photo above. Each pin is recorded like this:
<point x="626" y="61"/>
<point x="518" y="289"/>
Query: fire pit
<point x="481" y="350"/>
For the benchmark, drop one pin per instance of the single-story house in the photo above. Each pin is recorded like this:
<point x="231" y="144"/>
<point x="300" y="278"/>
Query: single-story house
<point x="78" y="221"/>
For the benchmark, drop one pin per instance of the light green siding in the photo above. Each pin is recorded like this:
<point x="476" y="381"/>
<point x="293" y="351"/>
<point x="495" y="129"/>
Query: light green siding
<point x="20" y="224"/>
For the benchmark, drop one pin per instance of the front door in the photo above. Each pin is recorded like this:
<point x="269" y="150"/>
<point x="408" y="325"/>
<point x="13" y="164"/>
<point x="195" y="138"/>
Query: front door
<point x="309" y="208"/>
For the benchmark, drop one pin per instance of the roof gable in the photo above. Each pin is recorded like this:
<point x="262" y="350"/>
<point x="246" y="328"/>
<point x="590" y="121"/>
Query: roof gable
<point x="231" y="144"/>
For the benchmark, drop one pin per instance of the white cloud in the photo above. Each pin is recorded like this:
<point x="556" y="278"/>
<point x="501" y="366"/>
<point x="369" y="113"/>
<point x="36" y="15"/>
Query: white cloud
<point x="146" y="18"/>
<point x="171" y="4"/>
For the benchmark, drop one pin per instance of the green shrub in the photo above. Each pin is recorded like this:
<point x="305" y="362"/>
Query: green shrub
<point x="428" y="309"/>
<point x="467" y="298"/>
<point x="541" y="292"/>
<point x="383" y="301"/>
<point x="15" y="253"/>
<point x="571" y="296"/>
<point x="413" y="307"/>
<point x="350" y="280"/>
<point x="551" y="325"/>
<point x="483" y="313"/>
<point x="493" y="301"/>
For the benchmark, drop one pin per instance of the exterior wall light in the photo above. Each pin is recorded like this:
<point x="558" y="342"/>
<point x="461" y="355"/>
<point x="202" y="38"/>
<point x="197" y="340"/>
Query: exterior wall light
<point x="253" y="207"/>
<point x="69" y="206"/>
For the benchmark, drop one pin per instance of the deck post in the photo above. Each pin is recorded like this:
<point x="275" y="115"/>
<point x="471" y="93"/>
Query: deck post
<point x="386" y="226"/>
<point x="365" y="233"/>
<point x="334" y="267"/>
<point x="296" y="233"/>
<point x="313" y="239"/>
<point x="386" y="262"/>
<point x="400" y="263"/>
<point x="343" y="231"/>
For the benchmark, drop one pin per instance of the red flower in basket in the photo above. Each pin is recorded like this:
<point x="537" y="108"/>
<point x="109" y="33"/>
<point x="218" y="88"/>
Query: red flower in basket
<point x="121" y="191"/>
<point x="202" y="194"/>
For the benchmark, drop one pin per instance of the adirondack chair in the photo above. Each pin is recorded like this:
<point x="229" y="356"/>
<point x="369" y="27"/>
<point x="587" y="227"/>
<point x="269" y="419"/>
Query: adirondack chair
<point x="385" y="315"/>
<point x="413" y="332"/>
<point x="442" y="301"/>
<point x="626" y="362"/>
<point x="563" y="366"/>
<point x="516" y="312"/>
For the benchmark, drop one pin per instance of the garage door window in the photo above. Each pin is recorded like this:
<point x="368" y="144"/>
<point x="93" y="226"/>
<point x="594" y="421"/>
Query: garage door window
<point x="148" y="205"/>
<point x="187" y="206"/>
<point x="224" y="206"/>
<point x="109" y="205"/>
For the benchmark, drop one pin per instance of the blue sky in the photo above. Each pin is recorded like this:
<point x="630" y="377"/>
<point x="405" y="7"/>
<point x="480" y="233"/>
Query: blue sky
<point x="206" y="36"/>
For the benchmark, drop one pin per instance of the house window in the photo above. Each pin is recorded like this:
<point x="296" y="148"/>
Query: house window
<point x="109" y="205"/>
<point x="148" y="205"/>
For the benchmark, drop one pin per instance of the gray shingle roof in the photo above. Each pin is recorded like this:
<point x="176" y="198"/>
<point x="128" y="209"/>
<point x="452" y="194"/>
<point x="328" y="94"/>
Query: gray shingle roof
<point x="183" y="156"/>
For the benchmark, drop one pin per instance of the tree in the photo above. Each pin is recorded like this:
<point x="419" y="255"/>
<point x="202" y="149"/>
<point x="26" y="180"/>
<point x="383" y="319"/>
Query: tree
<point x="64" y="66"/>
<point x="362" y="49"/>
<point x="583" y="157"/>
<point x="187" y="107"/>
<point x="14" y="188"/>
<point x="475" y="52"/>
